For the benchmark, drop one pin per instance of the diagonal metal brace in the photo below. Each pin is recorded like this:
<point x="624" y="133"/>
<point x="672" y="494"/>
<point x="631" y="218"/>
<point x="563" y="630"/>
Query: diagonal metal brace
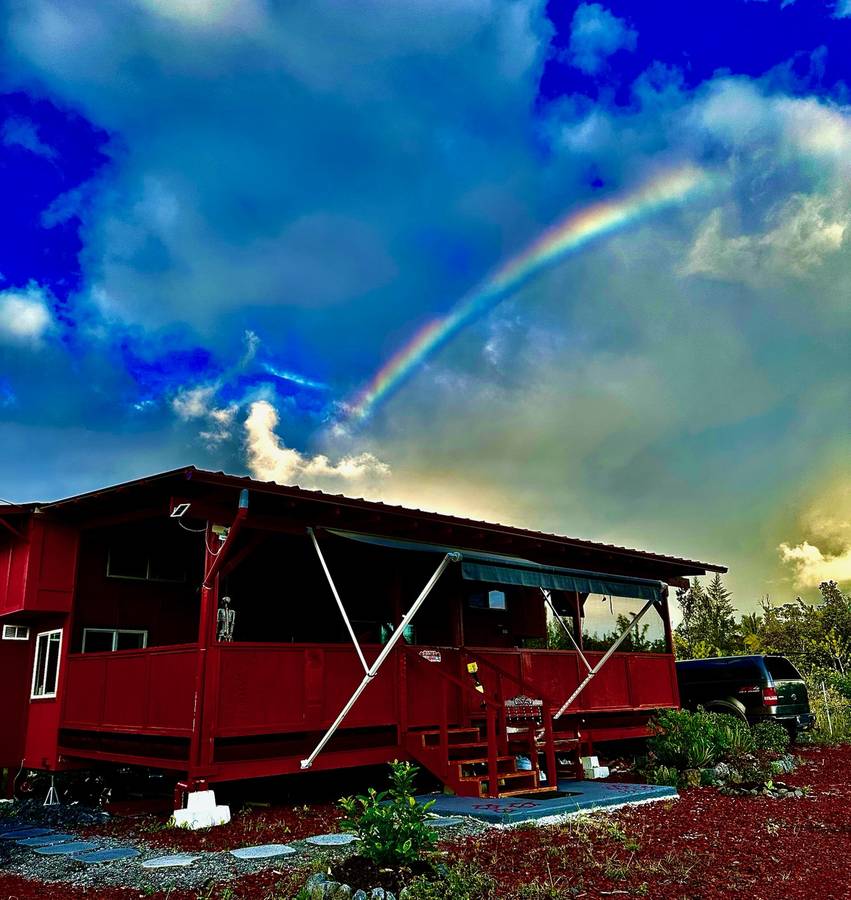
<point x="567" y="631"/>
<point x="388" y="649"/>
<point x="337" y="598"/>
<point x="605" y="659"/>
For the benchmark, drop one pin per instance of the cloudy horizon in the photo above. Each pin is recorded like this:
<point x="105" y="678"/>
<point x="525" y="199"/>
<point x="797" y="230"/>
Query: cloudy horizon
<point x="228" y="219"/>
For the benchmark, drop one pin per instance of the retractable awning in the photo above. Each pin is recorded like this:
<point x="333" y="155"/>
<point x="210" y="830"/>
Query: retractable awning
<point x="496" y="568"/>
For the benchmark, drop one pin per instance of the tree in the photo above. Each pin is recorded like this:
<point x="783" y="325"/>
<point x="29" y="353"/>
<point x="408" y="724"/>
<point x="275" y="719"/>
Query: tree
<point x="814" y="636"/>
<point x="708" y="626"/>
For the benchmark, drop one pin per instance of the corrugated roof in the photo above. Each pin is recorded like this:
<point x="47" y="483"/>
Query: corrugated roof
<point x="239" y="481"/>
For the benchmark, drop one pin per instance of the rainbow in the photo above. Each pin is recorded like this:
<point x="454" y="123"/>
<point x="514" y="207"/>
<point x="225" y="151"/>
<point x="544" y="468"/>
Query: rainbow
<point x="564" y="237"/>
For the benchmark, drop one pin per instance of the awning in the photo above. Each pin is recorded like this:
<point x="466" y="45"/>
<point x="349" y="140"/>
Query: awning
<point x="496" y="568"/>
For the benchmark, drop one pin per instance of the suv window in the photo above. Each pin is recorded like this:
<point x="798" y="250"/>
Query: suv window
<point x="781" y="668"/>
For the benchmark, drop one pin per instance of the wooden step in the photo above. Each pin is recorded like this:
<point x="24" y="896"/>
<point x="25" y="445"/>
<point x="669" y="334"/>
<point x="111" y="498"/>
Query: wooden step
<point x="505" y="777"/>
<point x="504" y="765"/>
<point x="523" y="792"/>
<point x="455" y="748"/>
<point x="454" y="737"/>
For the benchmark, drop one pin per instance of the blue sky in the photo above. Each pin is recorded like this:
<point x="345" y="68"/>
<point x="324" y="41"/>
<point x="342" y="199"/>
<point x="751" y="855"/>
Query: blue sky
<point x="222" y="218"/>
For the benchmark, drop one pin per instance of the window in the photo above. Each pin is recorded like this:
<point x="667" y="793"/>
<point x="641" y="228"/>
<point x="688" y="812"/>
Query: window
<point x="487" y="600"/>
<point x="100" y="640"/>
<point x="48" y="645"/>
<point x="140" y="562"/>
<point x="780" y="668"/>
<point x="16" y="633"/>
<point x="496" y="599"/>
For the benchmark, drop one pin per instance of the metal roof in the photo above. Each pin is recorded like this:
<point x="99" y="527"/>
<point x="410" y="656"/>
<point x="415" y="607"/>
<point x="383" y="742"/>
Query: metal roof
<point x="191" y="473"/>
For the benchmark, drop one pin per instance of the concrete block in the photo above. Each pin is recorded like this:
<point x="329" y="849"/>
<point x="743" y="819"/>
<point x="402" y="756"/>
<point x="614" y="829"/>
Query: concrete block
<point x="201" y="811"/>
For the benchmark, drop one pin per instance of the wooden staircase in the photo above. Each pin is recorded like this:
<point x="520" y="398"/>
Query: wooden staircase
<point x="464" y="767"/>
<point x="478" y="757"/>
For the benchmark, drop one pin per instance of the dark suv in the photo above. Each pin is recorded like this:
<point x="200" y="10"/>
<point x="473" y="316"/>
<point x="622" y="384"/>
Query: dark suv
<point x="754" y="688"/>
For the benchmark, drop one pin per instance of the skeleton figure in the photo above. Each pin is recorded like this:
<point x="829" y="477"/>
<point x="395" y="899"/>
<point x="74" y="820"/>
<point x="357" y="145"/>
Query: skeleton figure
<point x="225" y="620"/>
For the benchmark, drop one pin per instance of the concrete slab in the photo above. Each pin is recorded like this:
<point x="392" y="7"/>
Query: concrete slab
<point x="263" y="851"/>
<point x="46" y="840"/>
<point x="176" y="860"/>
<point x="25" y="833"/>
<point x="112" y="854"/>
<point x="578" y="796"/>
<point x="331" y="840"/>
<point x="67" y="849"/>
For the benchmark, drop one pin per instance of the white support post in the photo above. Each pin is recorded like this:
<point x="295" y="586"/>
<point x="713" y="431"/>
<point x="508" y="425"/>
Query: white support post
<point x="388" y="649"/>
<point x="339" y="601"/>
<point x="567" y="631"/>
<point x="605" y="659"/>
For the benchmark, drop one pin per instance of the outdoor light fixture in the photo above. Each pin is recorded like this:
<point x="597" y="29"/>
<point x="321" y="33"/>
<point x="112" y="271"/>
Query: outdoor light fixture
<point x="179" y="511"/>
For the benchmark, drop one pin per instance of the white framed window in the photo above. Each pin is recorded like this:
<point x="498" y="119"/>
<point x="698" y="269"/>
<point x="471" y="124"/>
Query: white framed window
<point x="48" y="647"/>
<point x="16" y="633"/>
<point x="98" y="640"/>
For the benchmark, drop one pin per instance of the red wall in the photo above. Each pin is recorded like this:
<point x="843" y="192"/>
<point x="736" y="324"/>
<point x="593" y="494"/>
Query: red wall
<point x="15" y="675"/>
<point x="37" y="575"/>
<point x="168" y="611"/>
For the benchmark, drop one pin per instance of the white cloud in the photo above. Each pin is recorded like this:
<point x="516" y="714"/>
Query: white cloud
<point x="270" y="460"/>
<point x="799" y="236"/>
<point x="595" y="34"/>
<point x="812" y="566"/>
<point x="825" y="552"/>
<point x="842" y="9"/>
<point x="24" y="315"/>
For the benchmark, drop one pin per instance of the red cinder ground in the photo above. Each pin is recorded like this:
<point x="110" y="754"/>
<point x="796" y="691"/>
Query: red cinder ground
<point x="700" y="847"/>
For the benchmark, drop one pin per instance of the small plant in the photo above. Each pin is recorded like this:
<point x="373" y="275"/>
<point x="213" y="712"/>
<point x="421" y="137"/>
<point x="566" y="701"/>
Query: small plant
<point x="392" y="827"/>
<point x="458" y="883"/>
<point x="735" y="737"/>
<point x="667" y="775"/>
<point x="700" y="753"/>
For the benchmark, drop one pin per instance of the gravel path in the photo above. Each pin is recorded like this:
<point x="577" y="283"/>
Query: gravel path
<point x="209" y="868"/>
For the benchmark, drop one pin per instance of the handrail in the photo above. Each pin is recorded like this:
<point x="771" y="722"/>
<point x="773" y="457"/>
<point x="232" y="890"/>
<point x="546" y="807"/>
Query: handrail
<point x="546" y="732"/>
<point x="456" y="681"/>
<point x="505" y="673"/>
<point x="492" y="712"/>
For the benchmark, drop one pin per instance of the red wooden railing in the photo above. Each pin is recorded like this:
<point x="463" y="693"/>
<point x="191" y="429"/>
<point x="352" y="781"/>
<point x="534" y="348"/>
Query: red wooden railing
<point x="493" y="710"/>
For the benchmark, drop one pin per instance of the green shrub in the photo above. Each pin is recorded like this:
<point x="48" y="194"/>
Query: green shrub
<point x="463" y="882"/>
<point x="667" y="775"/>
<point x="391" y="825"/>
<point x="734" y="738"/>
<point x="771" y="736"/>
<point x="678" y="733"/>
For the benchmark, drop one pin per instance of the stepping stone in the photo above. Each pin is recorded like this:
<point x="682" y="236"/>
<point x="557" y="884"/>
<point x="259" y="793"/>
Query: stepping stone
<point x="263" y="851"/>
<point x="67" y="849"/>
<point x="45" y="841"/>
<point x="444" y="821"/>
<point x="25" y="833"/>
<point x="105" y="856"/>
<point x="331" y="840"/>
<point x="168" y="862"/>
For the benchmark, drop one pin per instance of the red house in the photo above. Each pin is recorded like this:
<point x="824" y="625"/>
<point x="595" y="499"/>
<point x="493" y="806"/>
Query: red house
<point x="360" y="633"/>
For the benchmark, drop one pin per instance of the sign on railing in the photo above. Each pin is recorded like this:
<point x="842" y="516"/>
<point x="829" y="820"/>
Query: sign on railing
<point x="523" y="707"/>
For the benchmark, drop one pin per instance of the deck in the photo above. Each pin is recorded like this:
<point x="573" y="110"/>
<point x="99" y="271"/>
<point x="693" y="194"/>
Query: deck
<point x="269" y="702"/>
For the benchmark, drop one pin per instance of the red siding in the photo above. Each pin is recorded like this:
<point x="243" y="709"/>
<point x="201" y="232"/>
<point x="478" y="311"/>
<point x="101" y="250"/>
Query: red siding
<point x="145" y="691"/>
<point x="15" y="674"/>
<point x="37" y="575"/>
